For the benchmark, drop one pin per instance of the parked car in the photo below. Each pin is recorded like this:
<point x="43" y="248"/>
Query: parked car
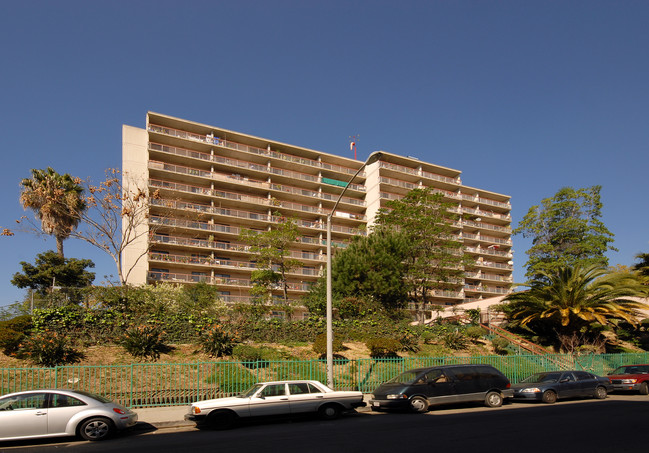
<point x="631" y="377"/>
<point x="421" y="388"/>
<point x="55" y="413"/>
<point x="549" y="386"/>
<point x="275" y="398"/>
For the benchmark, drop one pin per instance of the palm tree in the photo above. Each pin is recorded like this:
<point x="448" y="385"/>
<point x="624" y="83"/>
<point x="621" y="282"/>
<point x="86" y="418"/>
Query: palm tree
<point x="57" y="202"/>
<point x="569" y="300"/>
<point x="643" y="265"/>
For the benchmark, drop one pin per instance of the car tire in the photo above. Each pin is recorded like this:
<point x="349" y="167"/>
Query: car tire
<point x="644" y="388"/>
<point x="493" y="399"/>
<point x="549" y="397"/>
<point x="329" y="412"/>
<point x="221" y="420"/>
<point x="97" y="428"/>
<point x="418" y="404"/>
<point x="600" y="392"/>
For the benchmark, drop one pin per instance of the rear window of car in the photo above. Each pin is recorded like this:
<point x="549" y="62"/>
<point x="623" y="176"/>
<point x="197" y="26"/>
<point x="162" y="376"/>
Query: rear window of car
<point x="301" y="388"/>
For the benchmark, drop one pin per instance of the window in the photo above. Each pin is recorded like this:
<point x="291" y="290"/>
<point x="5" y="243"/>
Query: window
<point x="273" y="390"/>
<point x="583" y="376"/>
<point x="23" y="402"/>
<point x="59" y="400"/>
<point x="299" y="388"/>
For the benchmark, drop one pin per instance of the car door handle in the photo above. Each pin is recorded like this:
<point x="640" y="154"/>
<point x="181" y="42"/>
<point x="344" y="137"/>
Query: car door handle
<point x="320" y="397"/>
<point x="41" y="413"/>
<point x="283" y="399"/>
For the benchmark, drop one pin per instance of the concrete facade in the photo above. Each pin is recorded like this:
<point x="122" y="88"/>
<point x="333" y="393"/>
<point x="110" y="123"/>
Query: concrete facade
<point x="211" y="183"/>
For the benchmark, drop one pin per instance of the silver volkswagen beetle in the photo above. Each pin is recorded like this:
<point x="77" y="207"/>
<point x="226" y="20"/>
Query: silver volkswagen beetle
<point x="55" y="413"/>
<point x="274" y="398"/>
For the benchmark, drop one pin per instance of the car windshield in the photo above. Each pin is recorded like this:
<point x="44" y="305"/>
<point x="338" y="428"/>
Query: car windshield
<point x="407" y="377"/>
<point x="251" y="391"/>
<point x="542" y="377"/>
<point x="631" y="369"/>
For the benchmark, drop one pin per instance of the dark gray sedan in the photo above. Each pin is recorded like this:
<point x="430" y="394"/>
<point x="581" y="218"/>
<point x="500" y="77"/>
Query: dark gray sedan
<point x="552" y="385"/>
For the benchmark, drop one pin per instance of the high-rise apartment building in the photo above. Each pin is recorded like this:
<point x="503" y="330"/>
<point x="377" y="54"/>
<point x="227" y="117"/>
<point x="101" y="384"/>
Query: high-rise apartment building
<point x="211" y="183"/>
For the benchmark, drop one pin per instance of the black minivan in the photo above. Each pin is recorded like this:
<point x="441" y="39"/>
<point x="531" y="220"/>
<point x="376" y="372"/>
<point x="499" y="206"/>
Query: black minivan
<point x="423" y="387"/>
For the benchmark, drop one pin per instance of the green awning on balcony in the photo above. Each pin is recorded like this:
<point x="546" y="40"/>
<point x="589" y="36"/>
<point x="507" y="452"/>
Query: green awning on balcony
<point x="334" y="182"/>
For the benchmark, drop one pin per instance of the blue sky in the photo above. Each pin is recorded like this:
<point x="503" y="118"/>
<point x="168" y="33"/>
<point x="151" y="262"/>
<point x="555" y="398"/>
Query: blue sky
<point x="524" y="97"/>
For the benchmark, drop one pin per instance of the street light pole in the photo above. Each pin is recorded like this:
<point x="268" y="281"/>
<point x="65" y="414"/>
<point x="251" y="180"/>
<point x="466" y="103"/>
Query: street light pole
<point x="330" y="356"/>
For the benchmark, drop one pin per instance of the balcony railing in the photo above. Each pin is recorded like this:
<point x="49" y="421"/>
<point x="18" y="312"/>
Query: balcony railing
<point x="226" y="246"/>
<point x="220" y="281"/>
<point x="220" y="262"/>
<point x="250" y="149"/>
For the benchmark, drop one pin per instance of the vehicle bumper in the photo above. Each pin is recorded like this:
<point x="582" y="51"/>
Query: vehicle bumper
<point x="126" y="421"/>
<point x="508" y="393"/>
<point x="627" y="387"/>
<point x="198" y="419"/>
<point x="389" y="404"/>
<point x="538" y="396"/>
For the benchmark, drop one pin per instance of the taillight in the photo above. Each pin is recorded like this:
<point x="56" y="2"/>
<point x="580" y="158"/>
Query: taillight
<point x="119" y="411"/>
<point x="509" y="384"/>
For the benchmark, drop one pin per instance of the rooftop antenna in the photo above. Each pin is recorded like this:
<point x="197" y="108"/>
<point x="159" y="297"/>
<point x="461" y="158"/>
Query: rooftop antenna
<point x="352" y="144"/>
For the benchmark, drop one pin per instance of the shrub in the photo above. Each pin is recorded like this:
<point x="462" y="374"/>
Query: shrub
<point x="455" y="340"/>
<point x="144" y="342"/>
<point x="231" y="379"/>
<point x="217" y="341"/>
<point x="475" y="332"/>
<point x="500" y="345"/>
<point x="49" y="349"/>
<point x="9" y="340"/>
<point x="320" y="344"/>
<point x="383" y="347"/>
<point x="255" y="357"/>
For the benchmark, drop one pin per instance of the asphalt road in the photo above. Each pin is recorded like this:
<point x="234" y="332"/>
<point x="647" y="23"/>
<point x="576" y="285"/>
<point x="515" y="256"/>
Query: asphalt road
<point x="617" y="424"/>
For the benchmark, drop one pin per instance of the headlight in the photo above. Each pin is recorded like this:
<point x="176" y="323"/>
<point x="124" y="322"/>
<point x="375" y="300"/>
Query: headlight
<point x="397" y="396"/>
<point x="531" y="390"/>
<point x="629" y="381"/>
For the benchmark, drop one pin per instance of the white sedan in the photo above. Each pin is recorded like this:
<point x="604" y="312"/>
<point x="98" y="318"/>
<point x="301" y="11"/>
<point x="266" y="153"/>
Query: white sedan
<point x="275" y="398"/>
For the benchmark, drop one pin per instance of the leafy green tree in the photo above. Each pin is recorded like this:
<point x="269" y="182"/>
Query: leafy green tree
<point x="566" y="230"/>
<point x="373" y="266"/>
<point x="435" y="259"/>
<point x="272" y="249"/>
<point x="56" y="200"/>
<point x="51" y="269"/>
<point x="571" y="301"/>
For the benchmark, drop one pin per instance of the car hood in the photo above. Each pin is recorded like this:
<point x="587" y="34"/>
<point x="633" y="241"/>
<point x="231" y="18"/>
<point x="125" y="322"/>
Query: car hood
<point x="222" y="402"/>
<point x="390" y="388"/>
<point x="526" y="385"/>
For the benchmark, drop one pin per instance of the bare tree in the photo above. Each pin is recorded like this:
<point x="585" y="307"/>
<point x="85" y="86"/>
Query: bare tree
<point x="116" y="217"/>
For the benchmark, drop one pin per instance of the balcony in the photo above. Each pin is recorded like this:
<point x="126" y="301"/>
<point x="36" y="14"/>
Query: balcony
<point x="158" y="257"/>
<point x="209" y="140"/>
<point x="219" y="281"/>
<point x="238" y="247"/>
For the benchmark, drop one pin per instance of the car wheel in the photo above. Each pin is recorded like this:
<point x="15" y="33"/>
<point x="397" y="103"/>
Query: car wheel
<point x="494" y="399"/>
<point x="644" y="388"/>
<point x="600" y="393"/>
<point x="329" y="412"/>
<point x="221" y="419"/>
<point x="419" y="404"/>
<point x="96" y="429"/>
<point x="549" y="397"/>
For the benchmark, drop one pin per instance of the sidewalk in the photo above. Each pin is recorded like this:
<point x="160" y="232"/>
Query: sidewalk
<point x="173" y="416"/>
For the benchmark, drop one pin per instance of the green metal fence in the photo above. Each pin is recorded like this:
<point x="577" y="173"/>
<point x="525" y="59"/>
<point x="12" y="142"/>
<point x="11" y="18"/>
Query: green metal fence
<point x="147" y="385"/>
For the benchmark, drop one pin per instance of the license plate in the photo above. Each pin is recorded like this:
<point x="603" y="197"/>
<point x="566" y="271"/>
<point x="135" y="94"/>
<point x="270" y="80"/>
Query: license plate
<point x="376" y="404"/>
